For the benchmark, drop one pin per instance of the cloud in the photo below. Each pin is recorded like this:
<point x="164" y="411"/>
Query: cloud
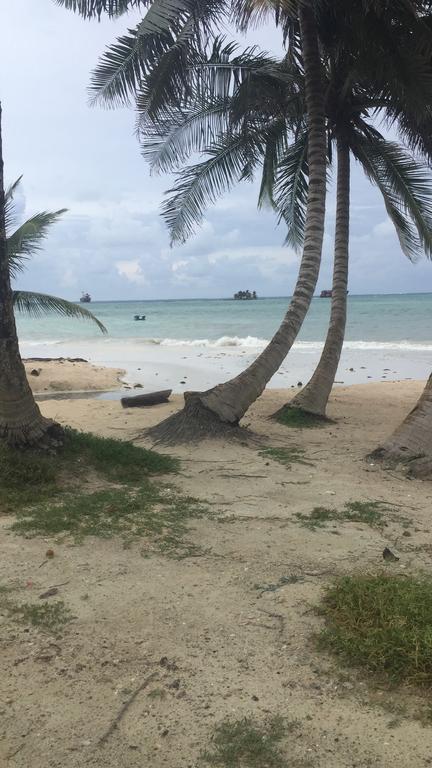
<point x="132" y="271"/>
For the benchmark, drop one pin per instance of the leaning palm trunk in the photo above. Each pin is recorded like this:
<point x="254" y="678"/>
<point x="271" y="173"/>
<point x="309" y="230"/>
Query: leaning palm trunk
<point x="225" y="404"/>
<point x="21" y="422"/>
<point x="411" y="442"/>
<point x="313" y="398"/>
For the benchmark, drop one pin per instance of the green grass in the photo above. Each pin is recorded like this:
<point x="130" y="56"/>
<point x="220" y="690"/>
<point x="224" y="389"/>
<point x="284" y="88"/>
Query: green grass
<point x="286" y="456"/>
<point x="381" y="624"/>
<point x="149" y="512"/>
<point x="367" y="512"/>
<point x="50" y="496"/>
<point x="298" y="419"/>
<point x="47" y="616"/>
<point x="247" y="744"/>
<point x="28" y="477"/>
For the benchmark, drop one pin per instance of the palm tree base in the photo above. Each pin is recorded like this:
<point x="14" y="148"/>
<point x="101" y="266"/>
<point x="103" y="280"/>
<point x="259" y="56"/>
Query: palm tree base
<point x="193" y="423"/>
<point x="293" y="415"/>
<point x="414" y="465"/>
<point x="43" y="434"/>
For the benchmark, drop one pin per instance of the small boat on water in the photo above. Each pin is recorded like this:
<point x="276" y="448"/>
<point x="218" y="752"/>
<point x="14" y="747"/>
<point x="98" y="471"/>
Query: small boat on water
<point x="139" y="317"/>
<point x="85" y="298"/>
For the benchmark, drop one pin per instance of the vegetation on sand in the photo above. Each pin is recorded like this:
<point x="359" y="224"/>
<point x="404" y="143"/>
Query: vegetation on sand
<point x="368" y="512"/>
<point x="382" y="624"/>
<point x="247" y="744"/>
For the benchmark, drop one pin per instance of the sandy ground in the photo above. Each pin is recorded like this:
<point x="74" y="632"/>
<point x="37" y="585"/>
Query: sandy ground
<point x="67" y="376"/>
<point x="227" y="648"/>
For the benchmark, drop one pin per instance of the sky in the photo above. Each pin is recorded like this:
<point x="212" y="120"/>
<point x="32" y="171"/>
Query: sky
<point x="112" y="241"/>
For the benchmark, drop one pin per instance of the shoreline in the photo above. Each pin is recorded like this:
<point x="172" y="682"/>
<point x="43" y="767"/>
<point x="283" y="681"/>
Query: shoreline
<point x="186" y="367"/>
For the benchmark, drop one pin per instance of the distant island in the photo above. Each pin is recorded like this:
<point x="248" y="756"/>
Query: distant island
<point x="245" y="295"/>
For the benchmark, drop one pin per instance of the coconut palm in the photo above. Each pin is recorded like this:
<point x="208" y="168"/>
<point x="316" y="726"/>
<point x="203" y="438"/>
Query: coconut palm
<point x="22" y="243"/>
<point x="159" y="64"/>
<point x="21" y="422"/>
<point x="253" y="127"/>
<point x="411" y="442"/>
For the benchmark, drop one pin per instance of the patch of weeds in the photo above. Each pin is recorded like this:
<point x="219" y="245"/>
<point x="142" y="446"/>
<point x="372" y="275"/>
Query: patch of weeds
<point x="49" y="616"/>
<point x="25" y="477"/>
<point x="283" y="581"/>
<point x="247" y="744"/>
<point x="31" y="477"/>
<point x="149" y="511"/>
<point x="115" y="460"/>
<point x="381" y="624"/>
<point x="367" y="512"/>
<point x="286" y="456"/>
<point x="299" y="419"/>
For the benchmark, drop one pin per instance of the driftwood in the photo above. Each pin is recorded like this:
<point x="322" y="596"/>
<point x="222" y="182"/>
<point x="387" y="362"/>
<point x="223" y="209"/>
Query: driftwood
<point x="152" y="398"/>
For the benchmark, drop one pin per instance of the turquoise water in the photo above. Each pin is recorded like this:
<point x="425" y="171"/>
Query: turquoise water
<point x="396" y="320"/>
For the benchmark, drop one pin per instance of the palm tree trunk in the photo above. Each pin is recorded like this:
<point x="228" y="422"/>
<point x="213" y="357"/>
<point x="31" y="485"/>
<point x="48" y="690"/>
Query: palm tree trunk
<point x="21" y="422"/>
<point x="411" y="442"/>
<point x="313" y="398"/>
<point x="228" y="402"/>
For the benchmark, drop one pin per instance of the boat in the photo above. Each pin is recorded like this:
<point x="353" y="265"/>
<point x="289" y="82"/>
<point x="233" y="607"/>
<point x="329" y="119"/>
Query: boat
<point x="85" y="298"/>
<point x="245" y="295"/>
<point x="139" y="317"/>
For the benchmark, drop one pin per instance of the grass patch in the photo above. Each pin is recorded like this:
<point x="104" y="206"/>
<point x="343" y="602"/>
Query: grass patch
<point x="382" y="624"/>
<point x="47" y="616"/>
<point x="298" y="419"/>
<point x="28" y="477"/>
<point x="286" y="456"/>
<point x="150" y="511"/>
<point x="247" y="744"/>
<point x="49" y="496"/>
<point x="367" y="512"/>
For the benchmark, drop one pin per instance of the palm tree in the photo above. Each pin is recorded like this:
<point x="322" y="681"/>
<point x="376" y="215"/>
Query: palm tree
<point x="159" y="64"/>
<point x="21" y="422"/>
<point x="253" y="126"/>
<point x="411" y="442"/>
<point x="22" y="244"/>
<point x="162" y="49"/>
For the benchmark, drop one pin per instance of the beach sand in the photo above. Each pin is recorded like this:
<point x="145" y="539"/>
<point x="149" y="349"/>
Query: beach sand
<point x="47" y="376"/>
<point x="220" y="642"/>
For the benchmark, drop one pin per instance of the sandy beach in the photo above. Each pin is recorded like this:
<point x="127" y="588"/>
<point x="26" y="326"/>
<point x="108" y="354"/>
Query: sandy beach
<point x="74" y="375"/>
<point x="229" y="632"/>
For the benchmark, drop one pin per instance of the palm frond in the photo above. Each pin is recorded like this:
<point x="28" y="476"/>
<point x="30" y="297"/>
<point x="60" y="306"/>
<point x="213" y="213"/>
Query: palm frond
<point x="40" y="304"/>
<point x="95" y="8"/>
<point x="406" y="188"/>
<point x="9" y="206"/>
<point x="169" y="143"/>
<point x="28" y="238"/>
<point x="122" y="66"/>
<point x="291" y="190"/>
<point x="275" y="147"/>
<point x="231" y="159"/>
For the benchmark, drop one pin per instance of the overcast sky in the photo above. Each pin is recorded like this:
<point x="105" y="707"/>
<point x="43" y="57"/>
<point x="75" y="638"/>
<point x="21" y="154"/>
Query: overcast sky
<point x="112" y="242"/>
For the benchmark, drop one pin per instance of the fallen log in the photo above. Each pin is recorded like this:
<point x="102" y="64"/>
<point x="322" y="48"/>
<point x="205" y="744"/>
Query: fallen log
<point x="152" y="398"/>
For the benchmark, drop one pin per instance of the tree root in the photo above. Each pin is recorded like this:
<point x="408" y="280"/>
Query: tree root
<point x="414" y="465"/>
<point x="193" y="423"/>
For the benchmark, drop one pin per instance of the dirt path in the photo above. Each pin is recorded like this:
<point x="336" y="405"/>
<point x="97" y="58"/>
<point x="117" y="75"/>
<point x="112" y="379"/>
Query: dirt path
<point x="226" y="634"/>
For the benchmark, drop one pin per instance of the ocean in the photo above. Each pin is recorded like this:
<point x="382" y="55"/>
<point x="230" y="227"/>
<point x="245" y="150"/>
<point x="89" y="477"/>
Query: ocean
<point x="390" y="336"/>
